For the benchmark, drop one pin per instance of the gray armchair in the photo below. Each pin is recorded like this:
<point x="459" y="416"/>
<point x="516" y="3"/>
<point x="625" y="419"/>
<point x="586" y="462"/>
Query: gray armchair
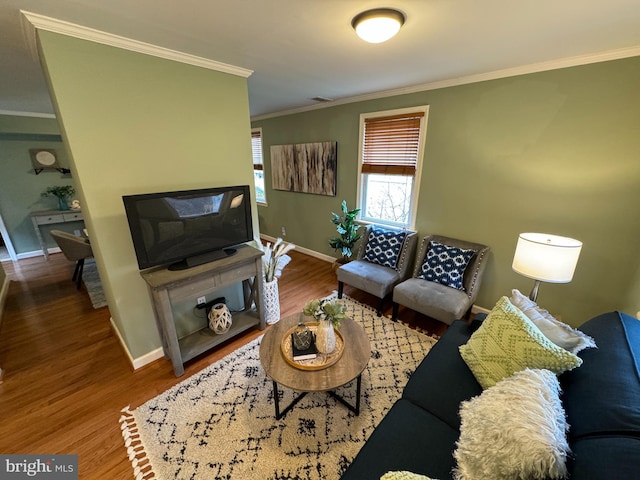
<point x="75" y="249"/>
<point x="377" y="278"/>
<point x="433" y="298"/>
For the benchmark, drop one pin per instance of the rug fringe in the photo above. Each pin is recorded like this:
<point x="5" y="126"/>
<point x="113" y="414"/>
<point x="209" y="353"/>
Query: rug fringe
<point x="419" y="329"/>
<point x="142" y="469"/>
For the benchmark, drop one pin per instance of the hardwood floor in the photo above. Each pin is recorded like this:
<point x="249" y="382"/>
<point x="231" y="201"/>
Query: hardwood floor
<point x="67" y="377"/>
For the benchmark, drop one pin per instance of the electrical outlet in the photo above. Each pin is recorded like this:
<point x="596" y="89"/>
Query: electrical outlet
<point x="202" y="300"/>
<point x="284" y="232"/>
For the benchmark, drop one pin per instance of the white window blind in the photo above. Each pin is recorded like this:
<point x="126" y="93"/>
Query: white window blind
<point x="256" y="149"/>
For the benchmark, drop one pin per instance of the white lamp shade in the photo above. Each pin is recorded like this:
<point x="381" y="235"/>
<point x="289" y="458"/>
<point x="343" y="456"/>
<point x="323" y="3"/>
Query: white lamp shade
<point x="379" y="25"/>
<point x="548" y="258"/>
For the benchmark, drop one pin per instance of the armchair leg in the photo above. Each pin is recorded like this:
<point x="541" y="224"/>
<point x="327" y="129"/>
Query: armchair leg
<point x="467" y="316"/>
<point x="77" y="273"/>
<point x="380" y="307"/>
<point x="340" y="288"/>
<point x="394" y="315"/>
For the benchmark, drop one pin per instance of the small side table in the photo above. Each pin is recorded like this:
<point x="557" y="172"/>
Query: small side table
<point x="348" y="368"/>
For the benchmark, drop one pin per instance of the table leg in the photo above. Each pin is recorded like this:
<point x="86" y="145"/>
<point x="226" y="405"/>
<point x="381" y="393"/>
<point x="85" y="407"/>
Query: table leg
<point x="355" y="409"/>
<point x="276" y="402"/>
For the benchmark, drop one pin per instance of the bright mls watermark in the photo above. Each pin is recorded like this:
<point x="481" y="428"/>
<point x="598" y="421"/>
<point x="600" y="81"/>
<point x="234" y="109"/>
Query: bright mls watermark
<point x="50" y="467"/>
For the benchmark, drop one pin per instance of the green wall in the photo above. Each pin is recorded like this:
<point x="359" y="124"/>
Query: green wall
<point x="136" y="124"/>
<point x="554" y="152"/>
<point x="20" y="187"/>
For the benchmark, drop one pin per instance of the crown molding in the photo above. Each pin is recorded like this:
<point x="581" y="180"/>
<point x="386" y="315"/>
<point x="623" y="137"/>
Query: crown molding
<point x="35" y="21"/>
<point x="482" y="77"/>
<point x="27" y="114"/>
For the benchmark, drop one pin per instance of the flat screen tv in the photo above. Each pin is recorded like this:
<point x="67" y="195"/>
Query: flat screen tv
<point x="187" y="228"/>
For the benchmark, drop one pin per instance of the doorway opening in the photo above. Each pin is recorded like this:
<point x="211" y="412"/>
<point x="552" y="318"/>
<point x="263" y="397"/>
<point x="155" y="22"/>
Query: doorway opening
<point x="7" y="252"/>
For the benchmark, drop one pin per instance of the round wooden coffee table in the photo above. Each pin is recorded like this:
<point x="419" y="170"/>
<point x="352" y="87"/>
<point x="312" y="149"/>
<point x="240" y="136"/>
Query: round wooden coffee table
<point x="349" y="367"/>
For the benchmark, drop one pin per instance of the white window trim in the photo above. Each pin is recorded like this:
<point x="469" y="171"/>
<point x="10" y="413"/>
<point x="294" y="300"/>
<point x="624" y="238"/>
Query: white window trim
<point x="417" y="176"/>
<point x="259" y="129"/>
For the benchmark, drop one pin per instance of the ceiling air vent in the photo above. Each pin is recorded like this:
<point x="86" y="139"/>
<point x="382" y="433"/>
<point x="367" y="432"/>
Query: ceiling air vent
<point x="322" y="99"/>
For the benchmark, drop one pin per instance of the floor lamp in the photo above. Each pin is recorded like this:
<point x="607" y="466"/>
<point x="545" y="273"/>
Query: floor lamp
<point x="546" y="258"/>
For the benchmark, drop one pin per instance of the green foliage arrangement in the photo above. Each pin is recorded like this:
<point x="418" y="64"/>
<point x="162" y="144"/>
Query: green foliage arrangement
<point x="64" y="191"/>
<point x="348" y="230"/>
<point x="325" y="310"/>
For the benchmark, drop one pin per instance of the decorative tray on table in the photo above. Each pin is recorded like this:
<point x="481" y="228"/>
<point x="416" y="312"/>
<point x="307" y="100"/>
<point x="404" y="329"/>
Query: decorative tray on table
<point x="323" y="360"/>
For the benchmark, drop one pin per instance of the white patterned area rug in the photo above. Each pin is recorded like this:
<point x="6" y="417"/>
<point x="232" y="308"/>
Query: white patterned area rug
<point x="220" y="423"/>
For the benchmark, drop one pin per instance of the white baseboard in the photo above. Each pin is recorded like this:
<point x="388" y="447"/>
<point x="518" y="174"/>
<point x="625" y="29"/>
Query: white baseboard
<point x="138" y="362"/>
<point x="37" y="253"/>
<point x="306" y="251"/>
<point x="477" y="309"/>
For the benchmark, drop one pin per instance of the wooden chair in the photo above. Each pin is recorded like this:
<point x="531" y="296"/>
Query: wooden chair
<point x="75" y="249"/>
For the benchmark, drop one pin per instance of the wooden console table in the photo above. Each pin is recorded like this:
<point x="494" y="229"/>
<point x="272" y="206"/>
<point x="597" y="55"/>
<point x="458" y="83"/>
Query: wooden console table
<point x="48" y="217"/>
<point x="169" y="287"/>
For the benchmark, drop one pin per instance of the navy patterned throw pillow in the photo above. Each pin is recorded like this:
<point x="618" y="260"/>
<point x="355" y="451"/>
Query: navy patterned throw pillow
<point x="446" y="265"/>
<point x="383" y="246"/>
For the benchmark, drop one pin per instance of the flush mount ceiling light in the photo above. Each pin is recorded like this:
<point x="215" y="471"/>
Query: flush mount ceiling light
<point x="378" y="25"/>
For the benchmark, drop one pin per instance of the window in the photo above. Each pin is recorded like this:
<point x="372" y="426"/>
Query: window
<point x="391" y="150"/>
<point x="258" y="168"/>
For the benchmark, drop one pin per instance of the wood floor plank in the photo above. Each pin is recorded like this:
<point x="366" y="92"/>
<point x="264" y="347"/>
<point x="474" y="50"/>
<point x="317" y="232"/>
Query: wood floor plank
<point x="67" y="377"/>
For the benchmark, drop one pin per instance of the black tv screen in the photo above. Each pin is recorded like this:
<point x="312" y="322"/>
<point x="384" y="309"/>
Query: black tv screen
<point x="187" y="228"/>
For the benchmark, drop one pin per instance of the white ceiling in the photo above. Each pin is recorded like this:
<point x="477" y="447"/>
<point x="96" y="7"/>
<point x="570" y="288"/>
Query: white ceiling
<point x="300" y="49"/>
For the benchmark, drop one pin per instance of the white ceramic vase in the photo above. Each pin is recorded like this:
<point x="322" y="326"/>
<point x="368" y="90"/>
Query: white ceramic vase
<point x="325" y="337"/>
<point x="271" y="302"/>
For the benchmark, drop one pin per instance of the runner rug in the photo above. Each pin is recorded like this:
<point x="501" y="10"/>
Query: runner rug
<point x="93" y="284"/>
<point x="220" y="423"/>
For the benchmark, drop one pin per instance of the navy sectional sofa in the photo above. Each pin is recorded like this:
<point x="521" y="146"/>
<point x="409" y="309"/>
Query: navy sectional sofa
<point x="601" y="400"/>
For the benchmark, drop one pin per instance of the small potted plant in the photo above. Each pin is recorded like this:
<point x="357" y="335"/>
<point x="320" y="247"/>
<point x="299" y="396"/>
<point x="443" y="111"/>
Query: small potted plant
<point x="348" y="229"/>
<point x="328" y="313"/>
<point x="61" y="193"/>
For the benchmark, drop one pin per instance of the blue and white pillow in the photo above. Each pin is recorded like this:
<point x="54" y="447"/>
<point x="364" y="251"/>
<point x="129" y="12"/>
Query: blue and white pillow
<point x="445" y="265"/>
<point x="383" y="246"/>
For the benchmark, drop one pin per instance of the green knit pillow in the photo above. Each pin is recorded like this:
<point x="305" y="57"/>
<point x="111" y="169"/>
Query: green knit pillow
<point x="508" y="342"/>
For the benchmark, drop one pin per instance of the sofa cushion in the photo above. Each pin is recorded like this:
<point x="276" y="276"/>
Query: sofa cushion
<point x="603" y="396"/>
<point x="605" y="458"/>
<point x="408" y="438"/>
<point x="558" y="332"/>
<point x="514" y="430"/>
<point x="445" y="264"/>
<point x="443" y="379"/>
<point x="507" y="342"/>
<point x="383" y="246"/>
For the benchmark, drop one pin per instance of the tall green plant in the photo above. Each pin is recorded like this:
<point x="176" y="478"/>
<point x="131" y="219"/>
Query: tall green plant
<point x="348" y="230"/>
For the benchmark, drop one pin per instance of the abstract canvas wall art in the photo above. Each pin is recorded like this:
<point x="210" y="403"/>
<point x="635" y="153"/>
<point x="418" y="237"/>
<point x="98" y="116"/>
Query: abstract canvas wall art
<point x="305" y="167"/>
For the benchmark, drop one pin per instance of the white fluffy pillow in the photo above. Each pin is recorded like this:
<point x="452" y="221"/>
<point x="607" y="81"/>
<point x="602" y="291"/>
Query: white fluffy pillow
<point x="404" y="475"/>
<point x="558" y="332"/>
<point x="516" y="429"/>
